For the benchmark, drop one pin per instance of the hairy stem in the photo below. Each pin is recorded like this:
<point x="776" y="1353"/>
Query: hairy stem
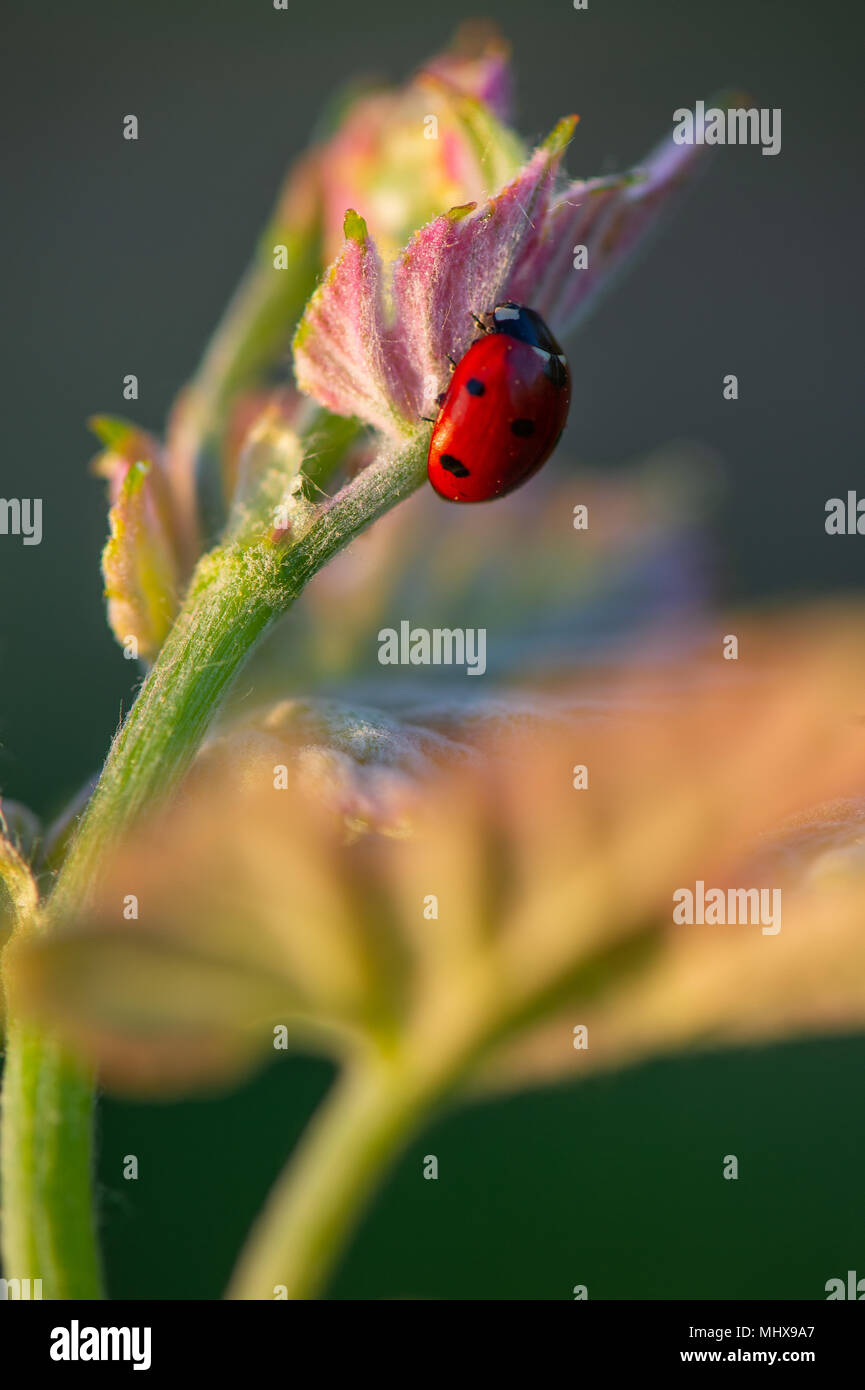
<point x="236" y="596"/>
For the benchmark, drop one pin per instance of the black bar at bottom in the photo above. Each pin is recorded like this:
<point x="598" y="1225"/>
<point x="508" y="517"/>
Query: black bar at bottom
<point x="85" y="1339"/>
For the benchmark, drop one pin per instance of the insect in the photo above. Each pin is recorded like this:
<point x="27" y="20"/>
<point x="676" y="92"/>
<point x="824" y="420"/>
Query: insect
<point x="504" y="410"/>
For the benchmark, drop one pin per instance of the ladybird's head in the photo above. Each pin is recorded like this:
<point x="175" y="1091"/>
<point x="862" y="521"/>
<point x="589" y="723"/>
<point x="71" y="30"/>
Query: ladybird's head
<point x="518" y="322"/>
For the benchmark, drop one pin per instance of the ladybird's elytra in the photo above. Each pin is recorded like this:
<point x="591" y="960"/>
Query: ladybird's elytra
<point x="504" y="411"/>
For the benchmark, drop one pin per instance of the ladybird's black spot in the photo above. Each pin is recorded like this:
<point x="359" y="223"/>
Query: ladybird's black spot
<point x="475" y="387"/>
<point x="452" y="465"/>
<point x="522" y="428"/>
<point x="554" y="370"/>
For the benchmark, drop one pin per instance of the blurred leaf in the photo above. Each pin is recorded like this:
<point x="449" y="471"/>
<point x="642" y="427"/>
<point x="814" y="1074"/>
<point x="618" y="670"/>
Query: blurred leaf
<point x="554" y="905"/>
<point x="478" y="65"/>
<point x="368" y="767"/>
<point x="550" y="598"/>
<point x="400" y="156"/>
<point x="727" y="984"/>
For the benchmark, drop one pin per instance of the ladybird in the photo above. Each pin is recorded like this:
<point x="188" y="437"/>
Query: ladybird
<point x="504" y="410"/>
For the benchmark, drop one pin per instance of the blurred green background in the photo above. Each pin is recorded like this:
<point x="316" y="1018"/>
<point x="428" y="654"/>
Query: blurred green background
<point x="119" y="258"/>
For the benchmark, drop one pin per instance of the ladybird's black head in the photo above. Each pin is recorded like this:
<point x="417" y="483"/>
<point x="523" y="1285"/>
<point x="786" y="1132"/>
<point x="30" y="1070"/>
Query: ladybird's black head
<point x="525" y="324"/>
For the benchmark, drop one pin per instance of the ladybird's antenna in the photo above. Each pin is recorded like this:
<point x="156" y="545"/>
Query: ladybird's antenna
<point x="480" y="323"/>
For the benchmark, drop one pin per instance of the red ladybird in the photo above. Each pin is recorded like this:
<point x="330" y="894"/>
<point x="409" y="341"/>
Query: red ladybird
<point x="504" y="411"/>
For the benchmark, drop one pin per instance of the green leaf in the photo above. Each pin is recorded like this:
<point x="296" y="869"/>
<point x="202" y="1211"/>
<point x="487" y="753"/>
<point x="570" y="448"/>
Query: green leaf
<point x="140" y="564"/>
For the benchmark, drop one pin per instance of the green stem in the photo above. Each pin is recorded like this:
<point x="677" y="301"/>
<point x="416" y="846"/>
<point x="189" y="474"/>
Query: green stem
<point x="46" y="1163"/>
<point x="236" y="596"/>
<point x="320" y="1195"/>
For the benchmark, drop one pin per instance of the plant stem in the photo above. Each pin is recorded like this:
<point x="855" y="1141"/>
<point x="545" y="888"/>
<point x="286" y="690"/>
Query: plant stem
<point x="235" y="597"/>
<point x="47" y="1160"/>
<point x="318" y="1198"/>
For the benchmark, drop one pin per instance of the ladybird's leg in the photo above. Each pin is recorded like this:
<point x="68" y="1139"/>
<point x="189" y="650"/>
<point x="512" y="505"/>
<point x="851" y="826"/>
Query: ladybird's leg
<point x="440" y="400"/>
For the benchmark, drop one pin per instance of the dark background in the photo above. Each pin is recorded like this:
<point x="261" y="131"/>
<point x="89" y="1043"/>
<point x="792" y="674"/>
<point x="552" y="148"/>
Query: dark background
<point x="118" y="257"/>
